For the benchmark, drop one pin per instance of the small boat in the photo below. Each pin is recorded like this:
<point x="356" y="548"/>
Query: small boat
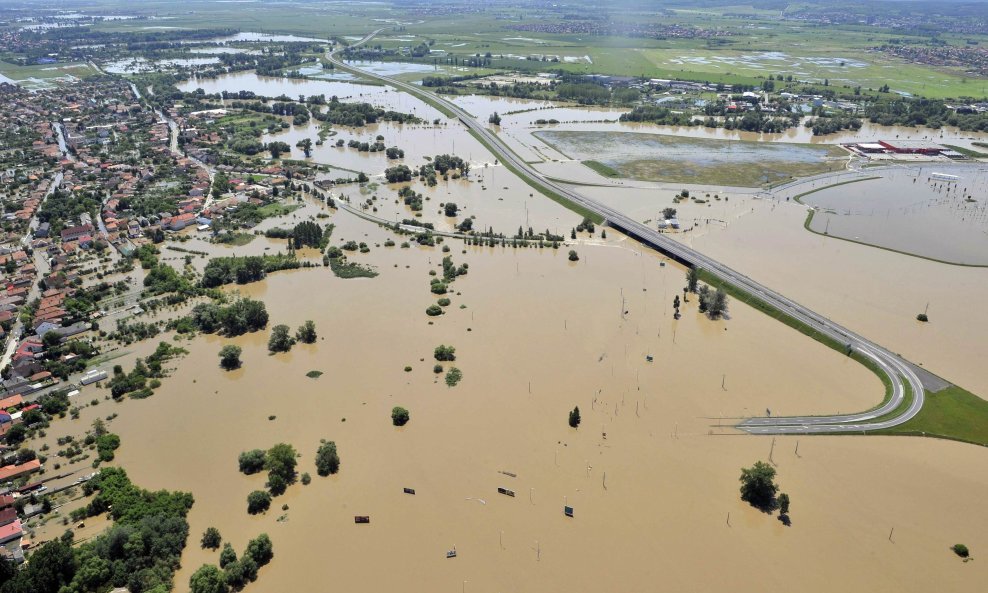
<point x="361" y="519"/>
<point x="451" y="553"/>
<point x="409" y="490"/>
<point x="568" y="511"/>
<point x="506" y="492"/>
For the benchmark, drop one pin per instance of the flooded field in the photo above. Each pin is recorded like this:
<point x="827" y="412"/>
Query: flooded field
<point x="651" y="474"/>
<point x="907" y="210"/>
<point x="654" y="157"/>
<point x="136" y="65"/>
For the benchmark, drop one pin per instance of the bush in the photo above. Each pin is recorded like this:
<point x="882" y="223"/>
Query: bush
<point x="437" y="369"/>
<point x="211" y="538"/>
<point x="258" y="501"/>
<point x="306" y="332"/>
<point x="230" y="357"/>
<point x="922" y="317"/>
<point x="251" y="462"/>
<point x="327" y="460"/>
<point x="961" y="550"/>
<point x="443" y="302"/>
<point x="399" y="416"/>
<point x="434" y="311"/>
<point x="573" y="256"/>
<point x="574" y="417"/>
<point x="306" y="479"/>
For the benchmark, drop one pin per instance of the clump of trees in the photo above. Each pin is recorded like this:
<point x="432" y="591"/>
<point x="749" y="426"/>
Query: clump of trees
<point x="237" y="318"/>
<point x="445" y="353"/>
<point x="230" y="357"/>
<point x="399" y="416"/>
<point x="713" y="302"/>
<point x="398" y="174"/>
<point x="244" y="270"/>
<point x="327" y="459"/>
<point x="233" y="574"/>
<point x="155" y="520"/>
<point x="279" y="461"/>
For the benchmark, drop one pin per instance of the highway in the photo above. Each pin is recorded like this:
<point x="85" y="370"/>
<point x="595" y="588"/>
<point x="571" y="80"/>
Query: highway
<point x="899" y="372"/>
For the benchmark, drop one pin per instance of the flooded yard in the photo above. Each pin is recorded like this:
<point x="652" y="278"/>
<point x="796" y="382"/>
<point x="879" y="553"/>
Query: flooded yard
<point x="908" y="210"/>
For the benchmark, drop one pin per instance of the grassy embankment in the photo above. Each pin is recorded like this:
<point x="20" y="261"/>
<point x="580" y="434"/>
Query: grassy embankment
<point x="952" y="413"/>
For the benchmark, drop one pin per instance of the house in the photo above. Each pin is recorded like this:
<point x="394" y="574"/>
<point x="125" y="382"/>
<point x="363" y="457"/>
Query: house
<point x="77" y="232"/>
<point x="9" y="472"/>
<point x="181" y="221"/>
<point x="11" y="531"/>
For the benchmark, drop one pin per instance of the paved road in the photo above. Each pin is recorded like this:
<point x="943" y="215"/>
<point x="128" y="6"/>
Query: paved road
<point x="898" y="371"/>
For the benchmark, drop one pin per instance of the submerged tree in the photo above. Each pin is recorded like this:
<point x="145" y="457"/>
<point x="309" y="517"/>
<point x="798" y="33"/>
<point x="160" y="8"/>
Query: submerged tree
<point x="230" y="357"/>
<point x="758" y="484"/>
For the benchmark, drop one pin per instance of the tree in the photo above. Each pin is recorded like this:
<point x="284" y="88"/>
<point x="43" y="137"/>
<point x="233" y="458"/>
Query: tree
<point x="251" y="462"/>
<point x="574" y="417"/>
<point x="692" y="278"/>
<point x="306" y="332"/>
<point x="757" y="484"/>
<point x="208" y="579"/>
<point x="445" y="353"/>
<point x="280" y="461"/>
<point x="494" y="119"/>
<point x="230" y="357"/>
<point x="227" y="556"/>
<point x="260" y="549"/>
<point x="258" y="501"/>
<point x="211" y="538"/>
<point x="573" y="255"/>
<point x="961" y="550"/>
<point x="327" y="460"/>
<point x="281" y="339"/>
<point x="399" y="416"/>
<point x="450" y="208"/>
<point x="783" y="504"/>
<point x="434" y="310"/>
<point x="668" y="213"/>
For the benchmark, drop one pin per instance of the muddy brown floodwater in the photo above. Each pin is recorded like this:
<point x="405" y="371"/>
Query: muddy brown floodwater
<point x="651" y="498"/>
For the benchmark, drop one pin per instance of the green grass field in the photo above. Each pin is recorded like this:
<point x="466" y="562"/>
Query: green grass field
<point x="808" y="51"/>
<point x="951" y="413"/>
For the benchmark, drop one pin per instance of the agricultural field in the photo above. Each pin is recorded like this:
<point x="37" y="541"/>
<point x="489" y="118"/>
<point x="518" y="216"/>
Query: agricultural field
<point x="658" y="157"/>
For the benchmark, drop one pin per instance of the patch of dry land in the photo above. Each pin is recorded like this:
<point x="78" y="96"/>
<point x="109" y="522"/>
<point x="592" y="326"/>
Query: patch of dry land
<point x="652" y="472"/>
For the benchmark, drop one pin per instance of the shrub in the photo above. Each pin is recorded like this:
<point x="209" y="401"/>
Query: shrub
<point x="453" y="376"/>
<point x="573" y="256"/>
<point x="258" y="501"/>
<point x="230" y="357"/>
<point x="399" y="416"/>
<point x="445" y="353"/>
<point x="251" y="462"/>
<point x="443" y="302"/>
<point x="961" y="550"/>
<point x="281" y="339"/>
<point x="211" y="538"/>
<point x="434" y="311"/>
<point x="574" y="417"/>
<point x="922" y="317"/>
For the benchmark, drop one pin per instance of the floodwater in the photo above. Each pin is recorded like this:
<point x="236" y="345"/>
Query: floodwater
<point x="651" y="498"/>
<point x="270" y="86"/>
<point x="909" y="211"/>
<point x="129" y="65"/>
